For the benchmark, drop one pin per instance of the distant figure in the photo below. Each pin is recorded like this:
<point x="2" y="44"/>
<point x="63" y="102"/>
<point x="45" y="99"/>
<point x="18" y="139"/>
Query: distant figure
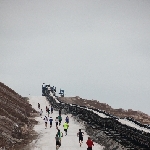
<point x="41" y="112"/>
<point x="48" y="111"/>
<point x="67" y="119"/>
<point x="51" y="121"/>
<point x="56" y="121"/>
<point x="46" y="120"/>
<point x="38" y="106"/>
<point x="80" y="135"/>
<point x="59" y="112"/>
<point x="60" y="119"/>
<point x="51" y="109"/>
<point x="89" y="143"/>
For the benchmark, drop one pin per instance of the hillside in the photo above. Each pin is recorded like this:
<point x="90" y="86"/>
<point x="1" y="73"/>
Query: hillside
<point x="121" y="113"/>
<point x="15" y="119"/>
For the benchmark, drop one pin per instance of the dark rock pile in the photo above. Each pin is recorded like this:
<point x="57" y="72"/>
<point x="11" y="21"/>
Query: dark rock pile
<point x="136" y="116"/>
<point x="15" y="124"/>
<point x="107" y="131"/>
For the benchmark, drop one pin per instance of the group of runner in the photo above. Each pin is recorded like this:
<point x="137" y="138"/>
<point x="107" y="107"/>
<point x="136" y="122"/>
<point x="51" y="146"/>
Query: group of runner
<point x="59" y="134"/>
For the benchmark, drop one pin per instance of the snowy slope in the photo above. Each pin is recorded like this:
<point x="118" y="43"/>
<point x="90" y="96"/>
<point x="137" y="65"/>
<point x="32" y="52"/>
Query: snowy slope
<point x="46" y="138"/>
<point x="132" y="124"/>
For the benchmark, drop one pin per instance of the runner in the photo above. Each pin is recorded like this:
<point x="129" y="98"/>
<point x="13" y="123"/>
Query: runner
<point x="51" y="121"/>
<point x="51" y="109"/>
<point x="41" y="112"/>
<point x="80" y="135"/>
<point x="60" y="119"/>
<point x="38" y="106"/>
<point x="67" y="119"/>
<point x="89" y="143"/>
<point x="56" y="121"/>
<point x="59" y="112"/>
<point x="60" y="134"/>
<point x="48" y="111"/>
<point x="46" y="120"/>
<point x="57" y="142"/>
<point x="65" y="125"/>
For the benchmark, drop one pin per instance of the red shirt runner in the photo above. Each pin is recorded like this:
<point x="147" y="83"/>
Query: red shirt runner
<point x="89" y="143"/>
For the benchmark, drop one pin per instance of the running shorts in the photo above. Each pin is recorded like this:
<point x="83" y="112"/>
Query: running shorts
<point x="65" y="130"/>
<point x="57" y="143"/>
<point x="80" y="139"/>
<point x="50" y="123"/>
<point x="89" y="148"/>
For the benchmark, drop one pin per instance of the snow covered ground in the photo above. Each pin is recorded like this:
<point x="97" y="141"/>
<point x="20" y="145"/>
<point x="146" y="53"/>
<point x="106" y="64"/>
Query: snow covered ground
<point x="46" y="138"/>
<point x="132" y="124"/>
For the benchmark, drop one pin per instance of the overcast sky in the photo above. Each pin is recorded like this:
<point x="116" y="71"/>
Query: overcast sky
<point x="95" y="49"/>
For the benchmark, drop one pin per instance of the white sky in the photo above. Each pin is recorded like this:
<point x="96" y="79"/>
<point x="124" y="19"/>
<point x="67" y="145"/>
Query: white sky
<point x="95" y="49"/>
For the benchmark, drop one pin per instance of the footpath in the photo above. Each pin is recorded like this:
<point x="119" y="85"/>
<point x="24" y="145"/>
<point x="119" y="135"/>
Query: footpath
<point x="46" y="137"/>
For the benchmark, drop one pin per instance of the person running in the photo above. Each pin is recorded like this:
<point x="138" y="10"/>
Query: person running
<point x="38" y="106"/>
<point x="41" y="112"/>
<point x="89" y="143"/>
<point x="59" y="112"/>
<point x="51" y="109"/>
<point x="60" y="119"/>
<point x="48" y="111"/>
<point x="80" y="135"/>
<point x="46" y="120"/>
<point x="67" y="119"/>
<point x="65" y="125"/>
<point x="57" y="142"/>
<point x="56" y="121"/>
<point x="60" y="134"/>
<point x="51" y="121"/>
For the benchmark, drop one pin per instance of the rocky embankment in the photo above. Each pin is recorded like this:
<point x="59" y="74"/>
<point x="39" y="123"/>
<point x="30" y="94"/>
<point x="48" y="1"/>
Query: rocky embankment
<point x="109" y="132"/>
<point x="16" y="119"/>
<point x="121" y="113"/>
